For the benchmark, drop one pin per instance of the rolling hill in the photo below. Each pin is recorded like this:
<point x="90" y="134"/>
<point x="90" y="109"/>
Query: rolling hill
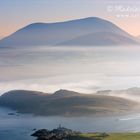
<point x="130" y="93"/>
<point x="88" y="32"/>
<point x="101" y="39"/>
<point x="65" y="103"/>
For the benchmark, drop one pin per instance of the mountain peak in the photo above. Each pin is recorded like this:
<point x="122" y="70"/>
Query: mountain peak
<point x="92" y="19"/>
<point x="72" y="32"/>
<point x="64" y="93"/>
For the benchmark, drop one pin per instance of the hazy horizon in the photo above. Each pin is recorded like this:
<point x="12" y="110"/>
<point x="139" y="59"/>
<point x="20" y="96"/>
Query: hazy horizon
<point x="80" y="69"/>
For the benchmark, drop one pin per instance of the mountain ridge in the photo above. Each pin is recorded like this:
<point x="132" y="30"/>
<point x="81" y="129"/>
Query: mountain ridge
<point x="108" y="39"/>
<point x="66" y="103"/>
<point x="36" y="34"/>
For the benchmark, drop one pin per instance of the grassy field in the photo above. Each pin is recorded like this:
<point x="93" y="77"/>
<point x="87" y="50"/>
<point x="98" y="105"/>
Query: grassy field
<point x="103" y="136"/>
<point x="123" y="136"/>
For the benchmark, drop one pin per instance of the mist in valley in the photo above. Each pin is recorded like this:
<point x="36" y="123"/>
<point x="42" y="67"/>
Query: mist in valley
<point x="81" y="69"/>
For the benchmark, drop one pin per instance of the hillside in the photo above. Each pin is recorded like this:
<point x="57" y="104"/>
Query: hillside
<point x="65" y="103"/>
<point x="101" y="39"/>
<point x="130" y="93"/>
<point x="75" y="32"/>
<point x="111" y="136"/>
<point x="68" y="134"/>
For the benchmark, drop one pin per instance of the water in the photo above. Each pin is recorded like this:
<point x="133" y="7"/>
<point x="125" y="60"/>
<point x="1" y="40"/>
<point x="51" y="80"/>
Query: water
<point x="21" y="126"/>
<point x="75" y="68"/>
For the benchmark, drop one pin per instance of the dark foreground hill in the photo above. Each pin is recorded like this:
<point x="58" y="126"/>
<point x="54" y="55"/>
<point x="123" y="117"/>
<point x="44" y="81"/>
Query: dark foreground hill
<point x="63" y="133"/>
<point x="65" y="103"/>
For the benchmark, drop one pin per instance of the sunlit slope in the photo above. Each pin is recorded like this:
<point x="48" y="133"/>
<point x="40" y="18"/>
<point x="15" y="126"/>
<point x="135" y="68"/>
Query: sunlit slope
<point x="66" y="103"/>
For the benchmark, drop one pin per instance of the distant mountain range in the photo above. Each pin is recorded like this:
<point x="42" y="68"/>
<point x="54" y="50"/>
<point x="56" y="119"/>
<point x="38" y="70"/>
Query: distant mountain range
<point x="90" y="31"/>
<point x="66" y="103"/>
<point x="131" y="93"/>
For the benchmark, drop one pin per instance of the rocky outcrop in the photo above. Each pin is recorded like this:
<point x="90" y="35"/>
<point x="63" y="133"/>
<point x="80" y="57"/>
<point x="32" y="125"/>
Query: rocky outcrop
<point x="60" y="133"/>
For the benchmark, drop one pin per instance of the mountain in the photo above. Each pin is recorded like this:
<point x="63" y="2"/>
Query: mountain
<point x="64" y="93"/>
<point x="65" y="103"/>
<point x="101" y="39"/>
<point x="130" y="93"/>
<point x="87" y="31"/>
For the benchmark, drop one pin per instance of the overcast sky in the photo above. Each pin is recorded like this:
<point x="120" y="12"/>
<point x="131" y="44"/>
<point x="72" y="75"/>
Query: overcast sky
<point x="15" y="14"/>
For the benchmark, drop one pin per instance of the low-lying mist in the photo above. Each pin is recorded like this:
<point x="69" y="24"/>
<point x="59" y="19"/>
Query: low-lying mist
<point x="81" y="69"/>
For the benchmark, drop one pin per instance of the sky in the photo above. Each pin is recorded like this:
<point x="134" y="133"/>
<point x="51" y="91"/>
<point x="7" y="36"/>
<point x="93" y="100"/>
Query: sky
<point x="15" y="14"/>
